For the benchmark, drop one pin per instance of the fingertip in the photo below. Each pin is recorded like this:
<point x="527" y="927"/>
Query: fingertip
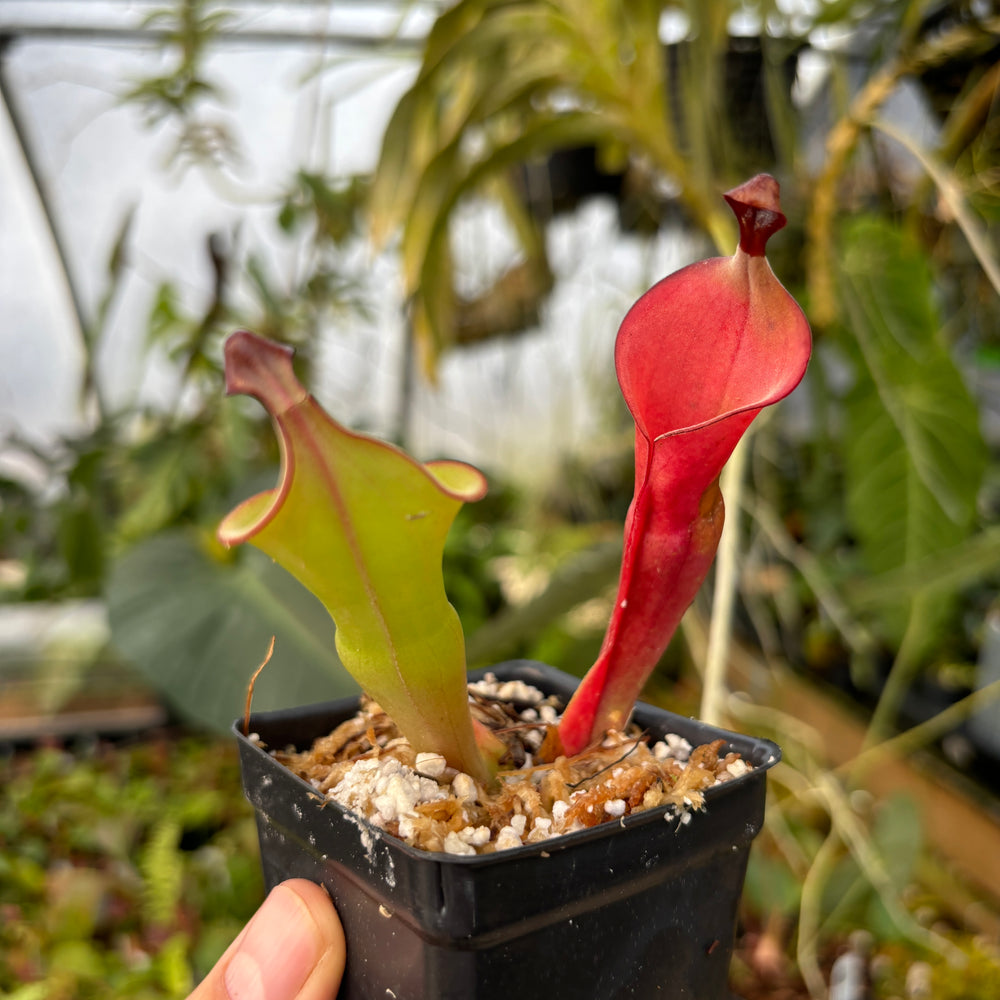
<point x="324" y="981"/>
<point x="292" y="949"/>
<point x="317" y="901"/>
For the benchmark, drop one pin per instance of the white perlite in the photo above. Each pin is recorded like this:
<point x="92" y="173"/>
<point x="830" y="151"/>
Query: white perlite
<point x="507" y="838"/>
<point x="673" y="746"/>
<point x="388" y="787"/>
<point x="490" y="687"/>
<point x="409" y="803"/>
<point x="454" y="844"/>
<point x="466" y="841"/>
<point x="463" y="787"/>
<point x="431" y="764"/>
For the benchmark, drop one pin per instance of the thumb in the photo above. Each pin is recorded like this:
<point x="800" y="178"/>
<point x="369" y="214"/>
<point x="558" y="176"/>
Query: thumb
<point x="292" y="949"/>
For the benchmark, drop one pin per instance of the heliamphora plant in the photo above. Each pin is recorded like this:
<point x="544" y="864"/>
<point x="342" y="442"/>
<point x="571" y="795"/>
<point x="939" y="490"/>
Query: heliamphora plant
<point x="697" y="357"/>
<point x="363" y="525"/>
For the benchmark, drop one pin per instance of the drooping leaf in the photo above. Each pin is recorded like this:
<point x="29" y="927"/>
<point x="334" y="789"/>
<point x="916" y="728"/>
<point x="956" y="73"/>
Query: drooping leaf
<point x="363" y="526"/>
<point x="197" y="626"/>
<point x="914" y="456"/>
<point x="697" y="357"/>
<point x="463" y="81"/>
<point x="425" y="242"/>
<point x="500" y="84"/>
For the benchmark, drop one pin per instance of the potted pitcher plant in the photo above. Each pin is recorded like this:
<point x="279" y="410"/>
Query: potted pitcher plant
<point x="522" y="835"/>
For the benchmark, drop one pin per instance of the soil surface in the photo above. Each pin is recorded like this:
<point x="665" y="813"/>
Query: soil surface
<point x="367" y="766"/>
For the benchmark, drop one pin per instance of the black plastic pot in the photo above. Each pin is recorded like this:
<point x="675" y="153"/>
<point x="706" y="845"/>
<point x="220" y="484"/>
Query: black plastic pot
<point x="645" y="907"/>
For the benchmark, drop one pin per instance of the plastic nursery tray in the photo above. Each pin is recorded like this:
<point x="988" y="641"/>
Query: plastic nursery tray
<point x="644" y="907"/>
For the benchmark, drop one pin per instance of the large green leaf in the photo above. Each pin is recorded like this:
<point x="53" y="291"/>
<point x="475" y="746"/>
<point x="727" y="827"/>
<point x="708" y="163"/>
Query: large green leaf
<point x="914" y="457"/>
<point x="197" y="623"/>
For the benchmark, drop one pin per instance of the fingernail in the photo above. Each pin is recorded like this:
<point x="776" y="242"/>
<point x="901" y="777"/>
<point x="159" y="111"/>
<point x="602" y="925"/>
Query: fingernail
<point x="279" y="950"/>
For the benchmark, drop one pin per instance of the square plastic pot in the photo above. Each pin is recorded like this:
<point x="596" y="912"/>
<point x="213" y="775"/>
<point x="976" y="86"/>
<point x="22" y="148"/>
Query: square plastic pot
<point x="644" y="907"/>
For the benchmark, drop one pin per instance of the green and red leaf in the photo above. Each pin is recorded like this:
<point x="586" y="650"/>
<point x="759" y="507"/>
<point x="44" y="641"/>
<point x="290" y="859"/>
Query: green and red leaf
<point x="363" y="526"/>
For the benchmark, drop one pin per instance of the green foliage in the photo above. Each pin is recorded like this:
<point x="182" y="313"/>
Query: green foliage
<point x="771" y="888"/>
<point x="127" y="479"/>
<point x="504" y="85"/>
<point x="973" y="974"/>
<point x="524" y="80"/>
<point x="83" y="521"/>
<point x="323" y="215"/>
<point x="162" y="871"/>
<point x="976" y="979"/>
<point x="126" y="871"/>
<point x="330" y="207"/>
<point x="850" y="900"/>
<point x="196" y="621"/>
<point x="188" y="28"/>
<point x="914" y="454"/>
<point x="142" y="472"/>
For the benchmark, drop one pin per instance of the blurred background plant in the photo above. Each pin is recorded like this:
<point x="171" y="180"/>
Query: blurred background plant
<point x="542" y="163"/>
<point x="126" y="871"/>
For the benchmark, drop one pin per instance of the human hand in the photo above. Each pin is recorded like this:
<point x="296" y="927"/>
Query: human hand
<point x="292" y="949"/>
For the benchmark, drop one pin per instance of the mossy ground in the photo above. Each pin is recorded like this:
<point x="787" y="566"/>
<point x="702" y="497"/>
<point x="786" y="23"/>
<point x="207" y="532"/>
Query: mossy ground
<point x="126" y="870"/>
